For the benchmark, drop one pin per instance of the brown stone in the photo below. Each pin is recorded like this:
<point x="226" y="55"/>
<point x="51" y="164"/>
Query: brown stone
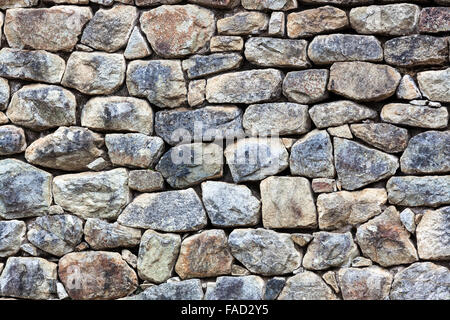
<point x="243" y="23"/>
<point x="434" y="19"/>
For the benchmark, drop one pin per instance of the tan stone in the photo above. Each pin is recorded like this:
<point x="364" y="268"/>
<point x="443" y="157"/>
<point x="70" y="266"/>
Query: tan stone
<point x="415" y="116"/>
<point x="243" y="23"/>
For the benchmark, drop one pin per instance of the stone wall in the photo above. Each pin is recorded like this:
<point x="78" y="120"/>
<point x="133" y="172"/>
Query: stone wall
<point x="224" y="149"/>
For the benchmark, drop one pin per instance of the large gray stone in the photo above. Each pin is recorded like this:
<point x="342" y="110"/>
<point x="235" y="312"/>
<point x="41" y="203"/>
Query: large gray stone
<point x="199" y="66"/>
<point x="236" y="288"/>
<point x="306" y="86"/>
<point x="384" y="136"/>
<point x="306" y="286"/>
<point x="243" y="23"/>
<point x="415" y="116"/>
<point x="176" y="290"/>
<point x="12" y="235"/>
<point x="100" y="234"/>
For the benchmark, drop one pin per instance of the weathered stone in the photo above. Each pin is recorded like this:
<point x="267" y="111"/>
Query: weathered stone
<point x="339" y="2"/>
<point x="94" y="72"/>
<point x="287" y="202"/>
<point x="358" y="166"/>
<point x="110" y="29"/>
<point x="312" y="156"/>
<point x="385" y="241"/>
<point x="96" y="275"/>
<point x="28" y="278"/>
<point x="306" y="286"/>
<point x="189" y="164"/>
<point x="306" y="86"/>
<point x="31" y="65"/>
<point x="421" y="281"/>
<point x="190" y="29"/>
<point x="342" y="131"/>
<point x="331" y="48"/>
<point x="118" y="114"/>
<point x="427" y="152"/>
<point x="230" y="205"/>
<point x="329" y="250"/>
<point x="337" y="113"/>
<point x="251" y="86"/>
<point x="137" y="46"/>
<point x="359" y="262"/>
<point x="25" y="191"/>
<point x="129" y="257"/>
<point x="101" y="234"/>
<point x="414" y="191"/>
<point x="12" y="234"/>
<point x="372" y="283"/>
<point x="200" y="66"/>
<point x="69" y="1"/>
<point x="4" y="92"/>
<point x="283" y="117"/>
<point x="204" y="124"/>
<point x="68" y="148"/>
<point x="145" y="180"/>
<point x="314" y="21"/>
<point x="415" y="116"/>
<point x="52" y="29"/>
<point x="243" y="23"/>
<point x="407" y="89"/>
<point x="99" y="164"/>
<point x="157" y="255"/>
<point x="392" y="19"/>
<point x="93" y="194"/>
<point x="363" y="81"/>
<point x="416" y="50"/>
<point x="274" y="287"/>
<point x="433" y="84"/>
<point x="253" y="159"/>
<point x="177" y="290"/>
<point x="31" y="250"/>
<point x="145" y="3"/>
<point x="433" y="236"/>
<point x="204" y="255"/>
<point x="280" y="5"/>
<point x="6" y="4"/>
<point x="320" y="185"/>
<point x="12" y="140"/>
<point x="236" y="288"/>
<point x="3" y="118"/>
<point x="56" y="234"/>
<point x="264" y="251"/>
<point x="277" y="24"/>
<point x="384" y="136"/>
<point x="196" y="92"/>
<point x="339" y="209"/>
<point x="434" y="19"/>
<point x="273" y="52"/>
<point x="226" y="43"/>
<point x="170" y="211"/>
<point x="134" y="149"/>
<point x="407" y="217"/>
<point x="330" y="278"/>
<point x="40" y="107"/>
<point x="160" y="81"/>
<point x="219" y="4"/>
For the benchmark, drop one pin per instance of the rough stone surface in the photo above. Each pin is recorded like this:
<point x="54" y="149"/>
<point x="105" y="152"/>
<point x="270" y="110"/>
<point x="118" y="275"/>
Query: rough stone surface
<point x="40" y="107"/>
<point x="332" y="114"/>
<point x="199" y="66"/>
<point x="12" y="234"/>
<point x="407" y="89"/>
<point x="100" y="234"/>
<point x="195" y="27"/>
<point x="204" y="255"/>
<point x="358" y="166"/>
<point x="189" y="164"/>
<point x="226" y="43"/>
<point x="254" y="159"/>
<point x="415" y="116"/>
<point x="384" y="136"/>
<point x="363" y="81"/>
<point x="170" y="211"/>
<point x="94" y="72"/>
<point x="137" y="46"/>
<point x="287" y="202"/>
<point x="284" y="118"/>
<point x="145" y="180"/>
<point x="56" y="234"/>
<point x="4" y="92"/>
<point x="244" y="87"/>
<point x="196" y="92"/>
<point x="230" y="205"/>
<point x="236" y="288"/>
<point x="328" y="250"/>
<point x="12" y="140"/>
<point x="52" y="29"/>
<point x="327" y="49"/>
<point x="312" y="156"/>
<point x="421" y="281"/>
<point x="433" y="236"/>
<point x="277" y="24"/>
<point x="96" y="275"/>
<point x="433" y="84"/>
<point x="306" y="86"/>
<point x="372" y="283"/>
<point x="92" y="194"/>
<point x="339" y="209"/>
<point x="243" y="23"/>
<point x="306" y="286"/>
<point x="6" y="4"/>
<point x="160" y="81"/>
<point x="274" y="287"/>
<point x="385" y="241"/>
<point x="157" y="255"/>
<point x="25" y="191"/>
<point x="178" y="290"/>
<point x="264" y="252"/>
<point x="68" y="148"/>
<point x="434" y="19"/>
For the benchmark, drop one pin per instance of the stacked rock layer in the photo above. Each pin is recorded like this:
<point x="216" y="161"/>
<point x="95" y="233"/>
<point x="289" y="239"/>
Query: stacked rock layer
<point x="224" y="149"/>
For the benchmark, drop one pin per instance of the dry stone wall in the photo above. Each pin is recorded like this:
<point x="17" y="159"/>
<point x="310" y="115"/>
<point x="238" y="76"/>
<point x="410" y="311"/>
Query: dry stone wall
<point x="224" y="149"/>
